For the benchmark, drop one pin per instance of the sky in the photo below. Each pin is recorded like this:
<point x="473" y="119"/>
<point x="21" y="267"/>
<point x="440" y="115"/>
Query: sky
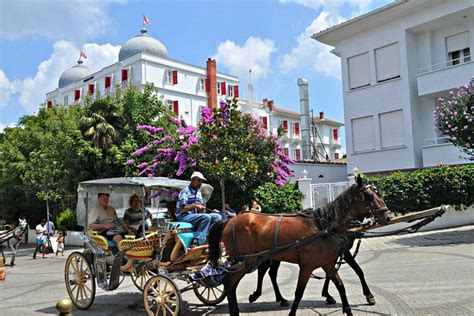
<point x="41" y="39"/>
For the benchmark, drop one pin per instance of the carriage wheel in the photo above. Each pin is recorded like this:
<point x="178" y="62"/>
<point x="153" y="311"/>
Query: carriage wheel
<point x="161" y="296"/>
<point x="80" y="282"/>
<point x="141" y="276"/>
<point x="209" y="295"/>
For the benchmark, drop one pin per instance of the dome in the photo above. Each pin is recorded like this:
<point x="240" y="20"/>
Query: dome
<point x="142" y="43"/>
<point x="74" y="74"/>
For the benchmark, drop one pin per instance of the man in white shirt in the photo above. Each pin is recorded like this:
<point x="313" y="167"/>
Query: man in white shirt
<point x="102" y="217"/>
<point x="41" y="238"/>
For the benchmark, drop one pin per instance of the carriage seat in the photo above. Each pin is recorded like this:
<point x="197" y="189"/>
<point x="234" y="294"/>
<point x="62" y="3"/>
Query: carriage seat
<point x="185" y="233"/>
<point x="101" y="241"/>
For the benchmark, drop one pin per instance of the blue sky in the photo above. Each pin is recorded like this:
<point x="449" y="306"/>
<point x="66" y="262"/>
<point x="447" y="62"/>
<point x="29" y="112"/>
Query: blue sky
<point x="41" y="39"/>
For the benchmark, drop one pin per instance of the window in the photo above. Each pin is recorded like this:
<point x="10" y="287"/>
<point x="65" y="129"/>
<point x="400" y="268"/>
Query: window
<point x="176" y="107"/>
<point x="236" y="91"/>
<point x="264" y="121"/>
<point x="457" y="47"/>
<point x="296" y="129"/>
<point x="218" y="88"/>
<point x="66" y="101"/>
<point x="169" y="76"/>
<point x="284" y="125"/>
<point x="336" y="155"/>
<point x="175" y="76"/>
<point x="91" y="89"/>
<point x="221" y="88"/>
<point x="49" y="104"/>
<point x="286" y="151"/>
<point x="387" y="62"/>
<point x="124" y="75"/>
<point x="202" y="84"/>
<point x="359" y="71"/>
<point x="107" y="82"/>
<point x="363" y="134"/>
<point x="230" y="91"/>
<point x="77" y="95"/>
<point x="392" y="130"/>
<point x="335" y="134"/>
<point x="297" y="154"/>
<point x="169" y="104"/>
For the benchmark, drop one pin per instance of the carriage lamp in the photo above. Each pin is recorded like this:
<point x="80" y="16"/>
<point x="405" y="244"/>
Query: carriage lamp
<point x="64" y="307"/>
<point x="304" y="173"/>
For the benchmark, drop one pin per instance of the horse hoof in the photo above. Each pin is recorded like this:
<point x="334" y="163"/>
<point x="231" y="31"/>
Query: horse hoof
<point x="330" y="300"/>
<point x="347" y="311"/>
<point x="284" y="303"/>
<point x="370" y="299"/>
<point x="253" y="297"/>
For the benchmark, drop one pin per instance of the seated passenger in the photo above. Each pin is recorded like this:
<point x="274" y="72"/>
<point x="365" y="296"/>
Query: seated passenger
<point x="103" y="218"/>
<point x="133" y="216"/>
<point x="190" y="201"/>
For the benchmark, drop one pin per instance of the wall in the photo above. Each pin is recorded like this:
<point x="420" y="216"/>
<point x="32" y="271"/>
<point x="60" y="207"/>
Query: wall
<point x="329" y="172"/>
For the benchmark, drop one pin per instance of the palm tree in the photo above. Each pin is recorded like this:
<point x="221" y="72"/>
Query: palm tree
<point x="102" y="122"/>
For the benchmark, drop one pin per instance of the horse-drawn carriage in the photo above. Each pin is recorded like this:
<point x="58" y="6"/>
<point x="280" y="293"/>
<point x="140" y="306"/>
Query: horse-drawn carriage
<point x="154" y="261"/>
<point x="12" y="238"/>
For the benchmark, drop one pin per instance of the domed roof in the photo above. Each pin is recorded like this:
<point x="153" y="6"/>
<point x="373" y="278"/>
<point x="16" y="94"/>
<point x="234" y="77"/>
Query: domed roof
<point x="142" y="43"/>
<point x="74" y="74"/>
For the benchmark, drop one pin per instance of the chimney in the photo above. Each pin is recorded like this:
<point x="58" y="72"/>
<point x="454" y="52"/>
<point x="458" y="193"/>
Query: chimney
<point x="321" y="115"/>
<point x="304" y="119"/>
<point x="212" y="84"/>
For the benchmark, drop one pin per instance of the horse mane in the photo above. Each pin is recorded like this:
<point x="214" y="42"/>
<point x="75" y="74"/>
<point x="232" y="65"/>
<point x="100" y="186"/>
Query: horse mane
<point x="336" y="211"/>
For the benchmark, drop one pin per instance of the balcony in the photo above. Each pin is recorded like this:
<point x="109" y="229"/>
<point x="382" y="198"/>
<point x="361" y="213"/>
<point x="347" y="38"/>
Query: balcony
<point x="445" y="76"/>
<point x="439" y="151"/>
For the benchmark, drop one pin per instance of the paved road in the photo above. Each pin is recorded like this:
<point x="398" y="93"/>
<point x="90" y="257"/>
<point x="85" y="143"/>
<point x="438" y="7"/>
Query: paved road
<point x="430" y="273"/>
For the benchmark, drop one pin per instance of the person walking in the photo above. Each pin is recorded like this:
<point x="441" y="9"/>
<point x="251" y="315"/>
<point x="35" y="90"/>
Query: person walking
<point x="41" y="238"/>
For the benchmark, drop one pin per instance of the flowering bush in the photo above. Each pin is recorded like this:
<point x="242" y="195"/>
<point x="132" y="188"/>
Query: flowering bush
<point x="454" y="117"/>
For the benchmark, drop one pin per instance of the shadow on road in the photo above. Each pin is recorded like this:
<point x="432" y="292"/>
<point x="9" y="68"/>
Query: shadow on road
<point x="437" y="238"/>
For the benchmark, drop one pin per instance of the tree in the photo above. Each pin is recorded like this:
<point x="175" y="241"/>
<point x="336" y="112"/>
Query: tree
<point x="228" y="146"/>
<point x="454" y="117"/>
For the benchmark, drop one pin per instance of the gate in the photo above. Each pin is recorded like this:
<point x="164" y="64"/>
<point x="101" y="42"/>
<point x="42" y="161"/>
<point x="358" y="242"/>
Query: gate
<point x="323" y="193"/>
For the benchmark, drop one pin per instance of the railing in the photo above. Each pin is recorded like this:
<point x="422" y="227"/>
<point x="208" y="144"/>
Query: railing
<point x="436" y="141"/>
<point x="445" y="64"/>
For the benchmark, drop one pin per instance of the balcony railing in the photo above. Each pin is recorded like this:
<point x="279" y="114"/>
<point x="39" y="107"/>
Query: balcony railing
<point x="445" y="64"/>
<point x="436" y="141"/>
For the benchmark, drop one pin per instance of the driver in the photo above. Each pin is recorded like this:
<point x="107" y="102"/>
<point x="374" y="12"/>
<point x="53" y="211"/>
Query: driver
<point x="102" y="218"/>
<point x="189" y="204"/>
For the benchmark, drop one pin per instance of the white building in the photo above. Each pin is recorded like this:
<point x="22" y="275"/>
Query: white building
<point x="395" y="62"/>
<point x="325" y="139"/>
<point x="143" y="59"/>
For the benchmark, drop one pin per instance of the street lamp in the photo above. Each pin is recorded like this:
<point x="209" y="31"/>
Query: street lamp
<point x="304" y="173"/>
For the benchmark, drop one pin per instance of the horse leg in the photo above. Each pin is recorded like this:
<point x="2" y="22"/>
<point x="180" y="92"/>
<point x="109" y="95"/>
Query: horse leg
<point x="262" y="269"/>
<point x="325" y="293"/>
<point x="336" y="279"/>
<point x="12" y="262"/>
<point x="357" y="269"/>
<point x="305" y="273"/>
<point x="230" y="287"/>
<point x="274" y="266"/>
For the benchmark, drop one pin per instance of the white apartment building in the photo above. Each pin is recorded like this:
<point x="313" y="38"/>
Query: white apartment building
<point x="396" y="61"/>
<point x="143" y="59"/>
<point x="325" y="138"/>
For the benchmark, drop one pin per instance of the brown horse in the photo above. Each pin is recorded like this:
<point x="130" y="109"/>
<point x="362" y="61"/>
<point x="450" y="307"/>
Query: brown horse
<point x="293" y="239"/>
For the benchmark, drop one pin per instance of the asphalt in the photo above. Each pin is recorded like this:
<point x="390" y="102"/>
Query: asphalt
<point x="429" y="273"/>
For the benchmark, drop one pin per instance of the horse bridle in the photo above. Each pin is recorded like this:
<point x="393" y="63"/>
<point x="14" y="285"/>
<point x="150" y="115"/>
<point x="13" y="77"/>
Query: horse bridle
<point x="374" y="212"/>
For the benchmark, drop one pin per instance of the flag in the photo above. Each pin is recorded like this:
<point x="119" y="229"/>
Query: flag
<point x="82" y="55"/>
<point x="146" y="21"/>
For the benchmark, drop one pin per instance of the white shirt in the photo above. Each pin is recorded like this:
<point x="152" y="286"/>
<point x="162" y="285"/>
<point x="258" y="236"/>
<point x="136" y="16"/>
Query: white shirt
<point x="40" y="231"/>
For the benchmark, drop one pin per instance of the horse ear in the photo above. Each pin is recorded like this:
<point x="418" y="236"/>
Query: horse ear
<point x="359" y="180"/>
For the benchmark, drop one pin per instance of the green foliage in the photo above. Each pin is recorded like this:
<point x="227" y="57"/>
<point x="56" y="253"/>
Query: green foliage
<point x="279" y="199"/>
<point x="419" y="190"/>
<point x="66" y="218"/>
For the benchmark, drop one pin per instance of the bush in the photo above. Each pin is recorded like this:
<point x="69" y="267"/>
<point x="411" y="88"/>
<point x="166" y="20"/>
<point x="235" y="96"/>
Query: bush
<point x="67" y="218"/>
<point x="276" y="199"/>
<point x="405" y="192"/>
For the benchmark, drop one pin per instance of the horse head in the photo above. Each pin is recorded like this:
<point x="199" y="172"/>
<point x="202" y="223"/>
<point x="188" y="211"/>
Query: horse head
<point x="367" y="201"/>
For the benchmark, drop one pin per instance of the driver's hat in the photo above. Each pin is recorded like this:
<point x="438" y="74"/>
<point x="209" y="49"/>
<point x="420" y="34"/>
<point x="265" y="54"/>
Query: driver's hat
<point x="102" y="193"/>
<point x="197" y="174"/>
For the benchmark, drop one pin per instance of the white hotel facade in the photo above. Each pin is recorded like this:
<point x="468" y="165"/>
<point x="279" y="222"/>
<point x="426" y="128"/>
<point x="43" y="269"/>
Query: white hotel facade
<point x="396" y="61"/>
<point x="186" y="89"/>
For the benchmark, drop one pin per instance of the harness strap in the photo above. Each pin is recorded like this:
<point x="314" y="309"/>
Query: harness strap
<point x="234" y="242"/>
<point x="275" y="235"/>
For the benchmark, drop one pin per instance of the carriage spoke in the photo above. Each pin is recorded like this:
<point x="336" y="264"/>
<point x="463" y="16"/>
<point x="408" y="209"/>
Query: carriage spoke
<point x="208" y="294"/>
<point x="215" y="296"/>
<point x="163" y="309"/>
<point x="171" y="311"/>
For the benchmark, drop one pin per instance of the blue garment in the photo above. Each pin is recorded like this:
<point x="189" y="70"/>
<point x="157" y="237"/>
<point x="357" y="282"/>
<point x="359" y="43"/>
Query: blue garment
<point x="200" y="221"/>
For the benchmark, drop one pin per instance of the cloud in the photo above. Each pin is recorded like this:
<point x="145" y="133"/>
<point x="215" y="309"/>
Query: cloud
<point x="3" y="126"/>
<point x="309" y="53"/>
<point x="255" y="54"/>
<point x="5" y="89"/>
<point x="32" y="90"/>
<point x="60" y="19"/>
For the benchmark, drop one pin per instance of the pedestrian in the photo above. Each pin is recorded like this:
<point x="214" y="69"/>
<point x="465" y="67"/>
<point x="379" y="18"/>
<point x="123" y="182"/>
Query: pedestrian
<point x="41" y="238"/>
<point x="50" y="228"/>
<point x="254" y="207"/>
<point x="245" y="208"/>
<point x="60" y="241"/>
<point x="229" y="211"/>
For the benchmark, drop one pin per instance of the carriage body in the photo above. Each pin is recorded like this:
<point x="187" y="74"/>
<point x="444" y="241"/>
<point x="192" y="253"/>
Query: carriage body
<point x="158" y="259"/>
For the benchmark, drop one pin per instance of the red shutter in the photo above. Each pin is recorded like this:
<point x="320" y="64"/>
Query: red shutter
<point x="176" y="107"/>
<point x="334" y="133"/>
<point x="297" y="129"/>
<point x="285" y="126"/>
<point x="175" y="77"/>
<point x="223" y="88"/>
<point x="285" y="151"/>
<point x="207" y="85"/>
<point x="49" y="104"/>
<point x="336" y="155"/>
<point x="108" y="81"/>
<point x="298" y="154"/>
<point x="124" y="74"/>
<point x="77" y="95"/>
<point x="236" y="91"/>
<point x="91" y="89"/>
<point x="265" y="122"/>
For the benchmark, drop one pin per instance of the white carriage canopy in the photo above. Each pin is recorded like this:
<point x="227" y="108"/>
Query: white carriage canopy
<point x="120" y="189"/>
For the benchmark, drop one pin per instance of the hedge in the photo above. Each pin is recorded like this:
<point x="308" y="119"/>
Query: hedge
<point x="426" y="188"/>
<point x="276" y="199"/>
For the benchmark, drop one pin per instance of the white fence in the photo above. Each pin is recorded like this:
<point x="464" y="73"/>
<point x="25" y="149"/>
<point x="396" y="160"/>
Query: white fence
<point x="324" y="193"/>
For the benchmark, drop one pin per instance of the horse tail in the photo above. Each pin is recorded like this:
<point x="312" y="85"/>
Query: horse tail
<point x="214" y="239"/>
